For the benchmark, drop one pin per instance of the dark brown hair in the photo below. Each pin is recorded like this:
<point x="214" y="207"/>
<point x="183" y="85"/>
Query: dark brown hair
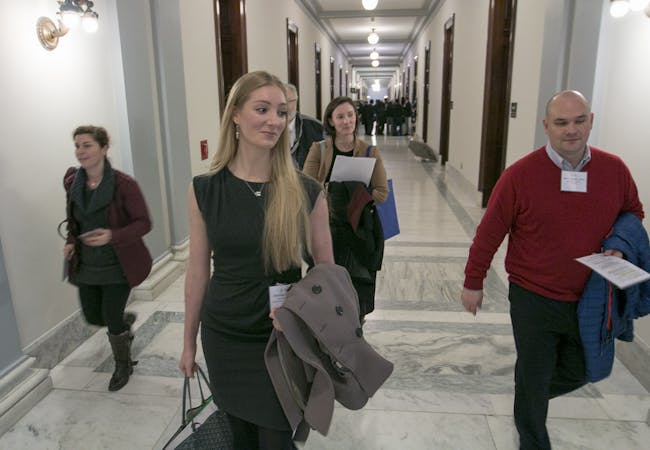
<point x="99" y="134"/>
<point x="338" y="101"/>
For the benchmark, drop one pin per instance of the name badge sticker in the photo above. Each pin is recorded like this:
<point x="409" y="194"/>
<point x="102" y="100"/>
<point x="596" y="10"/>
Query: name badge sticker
<point x="573" y="181"/>
<point x="278" y="294"/>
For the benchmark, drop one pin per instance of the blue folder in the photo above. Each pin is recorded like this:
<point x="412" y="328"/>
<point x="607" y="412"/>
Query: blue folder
<point x="388" y="214"/>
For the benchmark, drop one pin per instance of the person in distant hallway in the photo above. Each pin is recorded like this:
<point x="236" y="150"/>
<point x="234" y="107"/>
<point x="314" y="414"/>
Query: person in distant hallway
<point x="406" y="124"/>
<point x="398" y="118"/>
<point x="341" y="123"/>
<point x="556" y="204"/>
<point x="256" y="216"/>
<point x="367" y="111"/>
<point x="303" y="130"/>
<point x="107" y="217"/>
<point x="380" y="116"/>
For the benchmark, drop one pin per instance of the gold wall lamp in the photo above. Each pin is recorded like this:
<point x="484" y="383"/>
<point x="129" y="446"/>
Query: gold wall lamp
<point x="70" y="14"/>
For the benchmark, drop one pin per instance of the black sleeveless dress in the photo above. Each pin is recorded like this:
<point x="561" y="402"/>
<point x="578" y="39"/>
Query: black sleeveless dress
<point x="235" y="323"/>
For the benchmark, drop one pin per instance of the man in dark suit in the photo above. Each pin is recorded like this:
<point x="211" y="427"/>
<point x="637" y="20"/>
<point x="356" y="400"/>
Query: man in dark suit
<point x="303" y="130"/>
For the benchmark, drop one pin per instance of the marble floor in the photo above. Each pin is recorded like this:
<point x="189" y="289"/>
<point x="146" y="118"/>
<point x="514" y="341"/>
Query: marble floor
<point x="452" y="387"/>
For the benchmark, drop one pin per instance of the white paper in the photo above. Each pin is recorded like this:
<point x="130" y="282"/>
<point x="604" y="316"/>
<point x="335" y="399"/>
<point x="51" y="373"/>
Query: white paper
<point x="348" y="168"/>
<point x="617" y="270"/>
<point x="278" y="294"/>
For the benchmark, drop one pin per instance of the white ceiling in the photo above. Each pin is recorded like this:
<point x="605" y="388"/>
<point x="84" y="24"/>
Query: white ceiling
<point x="397" y="22"/>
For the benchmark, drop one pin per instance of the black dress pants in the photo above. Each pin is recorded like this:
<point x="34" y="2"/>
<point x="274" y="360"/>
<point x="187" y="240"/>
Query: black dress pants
<point x="550" y="360"/>
<point x="103" y="305"/>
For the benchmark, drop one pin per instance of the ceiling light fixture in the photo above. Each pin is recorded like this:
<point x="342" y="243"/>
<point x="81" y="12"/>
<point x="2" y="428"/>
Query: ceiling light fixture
<point x="374" y="54"/>
<point x="619" y="8"/>
<point x="70" y="14"/>
<point x="373" y="37"/>
<point x="369" y="4"/>
<point x="375" y="63"/>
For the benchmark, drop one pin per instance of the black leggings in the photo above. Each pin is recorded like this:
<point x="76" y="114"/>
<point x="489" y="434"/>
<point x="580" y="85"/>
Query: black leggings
<point x="248" y="436"/>
<point x="103" y="305"/>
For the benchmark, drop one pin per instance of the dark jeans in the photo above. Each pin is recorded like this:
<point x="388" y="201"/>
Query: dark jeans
<point x="248" y="436"/>
<point x="550" y="360"/>
<point x="103" y="305"/>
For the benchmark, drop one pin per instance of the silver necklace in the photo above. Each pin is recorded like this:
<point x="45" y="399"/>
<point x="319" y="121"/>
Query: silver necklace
<point x="255" y="193"/>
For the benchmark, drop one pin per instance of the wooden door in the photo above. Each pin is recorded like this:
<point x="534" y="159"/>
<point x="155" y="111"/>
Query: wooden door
<point x="425" y="100"/>
<point x="230" y="33"/>
<point x="496" y="101"/>
<point x="446" y="103"/>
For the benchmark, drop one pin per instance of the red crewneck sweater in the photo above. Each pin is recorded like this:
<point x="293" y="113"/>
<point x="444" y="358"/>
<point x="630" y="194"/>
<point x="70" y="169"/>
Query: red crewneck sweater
<point x="549" y="228"/>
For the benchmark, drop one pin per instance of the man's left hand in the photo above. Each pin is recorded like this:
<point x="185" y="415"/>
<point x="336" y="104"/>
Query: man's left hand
<point x="613" y="252"/>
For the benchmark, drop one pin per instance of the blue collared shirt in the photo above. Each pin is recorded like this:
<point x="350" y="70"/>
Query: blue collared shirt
<point x="563" y="163"/>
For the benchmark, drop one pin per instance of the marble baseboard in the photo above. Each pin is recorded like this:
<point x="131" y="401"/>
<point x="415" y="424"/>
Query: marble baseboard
<point x="163" y="274"/>
<point x="60" y="341"/>
<point x="20" y="390"/>
<point x="181" y="253"/>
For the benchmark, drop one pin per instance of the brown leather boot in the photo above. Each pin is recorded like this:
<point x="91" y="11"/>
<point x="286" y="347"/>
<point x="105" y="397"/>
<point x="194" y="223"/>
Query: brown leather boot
<point x="121" y="345"/>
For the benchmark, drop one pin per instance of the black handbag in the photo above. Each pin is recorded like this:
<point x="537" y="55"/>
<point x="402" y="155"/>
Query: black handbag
<point x="204" y="426"/>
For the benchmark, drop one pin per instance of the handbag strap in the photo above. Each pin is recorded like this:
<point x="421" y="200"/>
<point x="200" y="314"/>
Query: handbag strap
<point x="187" y="393"/>
<point x="368" y="151"/>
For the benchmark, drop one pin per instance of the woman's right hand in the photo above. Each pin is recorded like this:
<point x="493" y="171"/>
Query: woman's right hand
<point x="187" y="364"/>
<point x="68" y="251"/>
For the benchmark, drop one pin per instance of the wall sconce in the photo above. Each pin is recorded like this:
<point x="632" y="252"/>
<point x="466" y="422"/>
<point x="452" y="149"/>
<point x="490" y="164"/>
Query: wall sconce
<point x="70" y="14"/>
<point x="619" y="8"/>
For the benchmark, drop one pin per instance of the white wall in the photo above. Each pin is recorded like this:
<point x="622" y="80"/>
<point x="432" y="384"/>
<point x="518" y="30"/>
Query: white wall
<point x="201" y="82"/>
<point x="266" y="28"/>
<point x="46" y="94"/>
<point x="622" y="104"/>
<point x="468" y="77"/>
<point x="468" y="81"/>
<point x="529" y="32"/>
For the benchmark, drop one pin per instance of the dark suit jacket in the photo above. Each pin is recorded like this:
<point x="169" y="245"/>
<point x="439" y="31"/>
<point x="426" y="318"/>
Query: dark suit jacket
<point x="308" y="131"/>
<point x="321" y="355"/>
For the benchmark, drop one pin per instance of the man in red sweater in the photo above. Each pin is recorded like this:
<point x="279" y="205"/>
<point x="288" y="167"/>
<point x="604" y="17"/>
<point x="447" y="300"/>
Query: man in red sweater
<point x="555" y="204"/>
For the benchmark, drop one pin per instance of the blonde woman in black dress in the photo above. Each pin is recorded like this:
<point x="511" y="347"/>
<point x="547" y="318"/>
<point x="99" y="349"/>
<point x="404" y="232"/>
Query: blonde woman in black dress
<point x="257" y="217"/>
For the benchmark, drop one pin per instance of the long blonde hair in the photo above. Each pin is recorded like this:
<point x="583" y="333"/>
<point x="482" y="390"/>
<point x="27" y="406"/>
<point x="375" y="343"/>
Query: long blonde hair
<point x="286" y="227"/>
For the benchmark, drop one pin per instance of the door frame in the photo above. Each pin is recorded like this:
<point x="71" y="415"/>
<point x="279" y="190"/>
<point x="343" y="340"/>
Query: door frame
<point x="496" y="100"/>
<point x="319" y="93"/>
<point x="235" y="15"/>
<point x="425" y="99"/>
<point x="446" y="102"/>
<point x="293" y="63"/>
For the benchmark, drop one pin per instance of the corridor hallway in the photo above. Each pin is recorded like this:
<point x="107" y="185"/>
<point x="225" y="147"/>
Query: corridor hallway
<point x="452" y="387"/>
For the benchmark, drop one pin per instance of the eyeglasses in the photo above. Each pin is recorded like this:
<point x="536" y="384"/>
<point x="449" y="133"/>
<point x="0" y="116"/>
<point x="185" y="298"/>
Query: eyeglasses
<point x="291" y="100"/>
